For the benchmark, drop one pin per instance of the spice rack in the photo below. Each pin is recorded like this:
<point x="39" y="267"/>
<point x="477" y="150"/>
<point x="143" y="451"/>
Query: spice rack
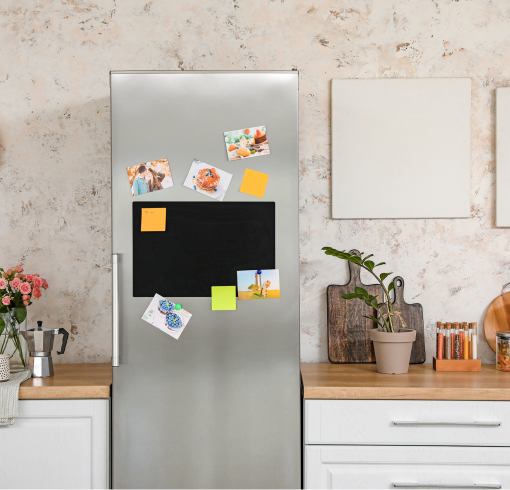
<point x="456" y="347"/>
<point x="457" y="364"/>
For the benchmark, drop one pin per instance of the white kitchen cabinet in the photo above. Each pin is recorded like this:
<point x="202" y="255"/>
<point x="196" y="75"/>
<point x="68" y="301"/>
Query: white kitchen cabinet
<point x="375" y="467"/>
<point x="57" y="444"/>
<point x="406" y="444"/>
<point x="408" y="422"/>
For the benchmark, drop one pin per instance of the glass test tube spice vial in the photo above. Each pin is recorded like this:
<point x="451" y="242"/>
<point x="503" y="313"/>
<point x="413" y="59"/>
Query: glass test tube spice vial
<point x="456" y="346"/>
<point x="439" y="340"/>
<point x="466" y="341"/>
<point x="461" y="340"/>
<point x="474" y="341"/>
<point x="448" y="342"/>
<point x="470" y="334"/>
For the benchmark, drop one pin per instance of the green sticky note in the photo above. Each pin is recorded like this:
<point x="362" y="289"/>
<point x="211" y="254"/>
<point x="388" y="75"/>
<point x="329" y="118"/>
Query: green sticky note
<point x="223" y="297"/>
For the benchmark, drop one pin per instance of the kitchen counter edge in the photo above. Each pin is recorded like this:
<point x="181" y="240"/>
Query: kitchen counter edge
<point x="70" y="381"/>
<point x="363" y="382"/>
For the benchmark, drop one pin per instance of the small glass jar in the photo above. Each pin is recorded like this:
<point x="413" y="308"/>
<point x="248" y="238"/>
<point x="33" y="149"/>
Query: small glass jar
<point x="503" y="351"/>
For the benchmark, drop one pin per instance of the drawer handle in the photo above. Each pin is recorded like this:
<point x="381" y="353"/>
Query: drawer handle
<point x="447" y="424"/>
<point x="418" y="485"/>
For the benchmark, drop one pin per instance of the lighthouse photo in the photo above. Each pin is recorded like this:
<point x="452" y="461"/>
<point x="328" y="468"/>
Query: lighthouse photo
<point x="258" y="284"/>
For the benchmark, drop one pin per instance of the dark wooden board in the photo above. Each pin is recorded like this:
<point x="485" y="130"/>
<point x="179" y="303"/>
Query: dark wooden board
<point x="348" y="329"/>
<point x="413" y="317"/>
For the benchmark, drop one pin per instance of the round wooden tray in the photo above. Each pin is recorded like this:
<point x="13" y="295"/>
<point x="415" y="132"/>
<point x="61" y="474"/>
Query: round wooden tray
<point x="497" y="318"/>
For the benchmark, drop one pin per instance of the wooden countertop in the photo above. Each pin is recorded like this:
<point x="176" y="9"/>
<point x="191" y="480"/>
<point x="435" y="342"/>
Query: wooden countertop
<point x="70" y="381"/>
<point x="363" y="382"/>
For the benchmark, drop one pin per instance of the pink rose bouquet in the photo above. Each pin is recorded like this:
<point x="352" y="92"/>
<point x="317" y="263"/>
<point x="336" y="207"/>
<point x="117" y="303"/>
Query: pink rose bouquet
<point x="17" y="291"/>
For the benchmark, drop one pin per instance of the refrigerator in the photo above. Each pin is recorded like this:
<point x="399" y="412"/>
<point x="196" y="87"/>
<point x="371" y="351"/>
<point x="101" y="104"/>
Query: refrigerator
<point x="219" y="407"/>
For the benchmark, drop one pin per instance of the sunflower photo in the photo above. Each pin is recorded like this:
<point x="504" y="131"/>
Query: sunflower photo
<point x="258" y="284"/>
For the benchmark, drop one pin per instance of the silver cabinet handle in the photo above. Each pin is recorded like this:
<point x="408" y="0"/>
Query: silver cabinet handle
<point x="446" y="424"/>
<point x="115" y="309"/>
<point x="419" y="485"/>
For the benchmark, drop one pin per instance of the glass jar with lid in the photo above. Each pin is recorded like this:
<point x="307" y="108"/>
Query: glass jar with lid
<point x="503" y="351"/>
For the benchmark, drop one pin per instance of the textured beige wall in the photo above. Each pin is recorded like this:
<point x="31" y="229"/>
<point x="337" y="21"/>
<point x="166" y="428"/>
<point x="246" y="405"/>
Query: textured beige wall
<point x="55" y="140"/>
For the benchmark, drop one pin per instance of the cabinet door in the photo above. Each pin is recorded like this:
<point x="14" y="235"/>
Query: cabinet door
<point x="406" y="467"/>
<point x="57" y="444"/>
<point x="407" y="422"/>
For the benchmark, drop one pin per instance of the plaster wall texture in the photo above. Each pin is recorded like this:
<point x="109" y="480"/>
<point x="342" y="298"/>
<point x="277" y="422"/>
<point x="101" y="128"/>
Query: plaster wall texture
<point x="55" y="58"/>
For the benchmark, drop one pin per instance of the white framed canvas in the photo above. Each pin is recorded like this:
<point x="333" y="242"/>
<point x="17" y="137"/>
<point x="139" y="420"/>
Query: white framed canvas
<point x="401" y="148"/>
<point x="503" y="156"/>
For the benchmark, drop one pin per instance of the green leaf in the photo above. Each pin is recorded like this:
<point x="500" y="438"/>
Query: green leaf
<point x="361" y="291"/>
<point x="391" y="286"/>
<point x="369" y="264"/>
<point x="352" y="296"/>
<point x="20" y="314"/>
<point x="380" y="263"/>
<point x="384" y="275"/>
<point x="355" y="259"/>
<point x="373" y="301"/>
<point x="371" y="317"/>
<point x="2" y="325"/>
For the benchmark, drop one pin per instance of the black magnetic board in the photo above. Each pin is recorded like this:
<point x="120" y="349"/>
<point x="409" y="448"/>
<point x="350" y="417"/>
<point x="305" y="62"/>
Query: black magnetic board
<point x="204" y="245"/>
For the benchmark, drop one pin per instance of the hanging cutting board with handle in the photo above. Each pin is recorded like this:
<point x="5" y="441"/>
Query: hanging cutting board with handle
<point x="413" y="318"/>
<point x="497" y="318"/>
<point x="348" y="329"/>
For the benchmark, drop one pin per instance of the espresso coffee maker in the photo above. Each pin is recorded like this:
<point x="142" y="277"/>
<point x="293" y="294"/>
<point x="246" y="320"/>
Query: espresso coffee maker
<point x="40" y="345"/>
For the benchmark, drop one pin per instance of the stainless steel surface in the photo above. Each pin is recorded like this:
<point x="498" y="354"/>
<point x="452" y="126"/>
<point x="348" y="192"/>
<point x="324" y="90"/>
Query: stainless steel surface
<point x="448" y="424"/>
<point x="220" y="407"/>
<point x="115" y="312"/>
<point x="41" y="367"/>
<point x="424" y="485"/>
<point x="40" y="340"/>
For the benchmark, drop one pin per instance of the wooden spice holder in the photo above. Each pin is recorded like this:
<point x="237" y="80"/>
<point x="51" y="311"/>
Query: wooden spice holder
<point x="457" y="364"/>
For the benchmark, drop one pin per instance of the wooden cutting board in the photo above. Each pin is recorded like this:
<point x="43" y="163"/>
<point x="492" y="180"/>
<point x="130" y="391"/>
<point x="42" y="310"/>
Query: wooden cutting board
<point x="413" y="317"/>
<point x="497" y="319"/>
<point x="348" y="329"/>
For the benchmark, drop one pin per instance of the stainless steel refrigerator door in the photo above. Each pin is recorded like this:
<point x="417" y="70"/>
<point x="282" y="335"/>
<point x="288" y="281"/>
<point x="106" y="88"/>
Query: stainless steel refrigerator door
<point x="220" y="407"/>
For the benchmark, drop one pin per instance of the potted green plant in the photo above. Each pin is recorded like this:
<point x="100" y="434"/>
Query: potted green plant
<point x="392" y="346"/>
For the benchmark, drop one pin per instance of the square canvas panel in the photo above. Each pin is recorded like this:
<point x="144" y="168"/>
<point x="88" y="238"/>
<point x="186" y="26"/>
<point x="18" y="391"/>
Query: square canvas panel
<point x="503" y="156"/>
<point x="401" y="148"/>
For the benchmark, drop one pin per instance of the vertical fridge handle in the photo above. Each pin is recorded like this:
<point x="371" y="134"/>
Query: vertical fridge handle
<point x="115" y="308"/>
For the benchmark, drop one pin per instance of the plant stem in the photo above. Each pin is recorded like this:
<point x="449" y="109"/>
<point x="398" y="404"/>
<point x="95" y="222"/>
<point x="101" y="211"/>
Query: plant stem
<point x="388" y="300"/>
<point x="388" y="327"/>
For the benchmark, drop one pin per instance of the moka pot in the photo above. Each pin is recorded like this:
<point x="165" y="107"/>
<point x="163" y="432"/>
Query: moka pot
<point x="40" y="344"/>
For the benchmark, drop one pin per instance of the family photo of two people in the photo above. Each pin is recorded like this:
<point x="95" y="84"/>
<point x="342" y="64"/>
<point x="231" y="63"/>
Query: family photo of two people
<point x="150" y="177"/>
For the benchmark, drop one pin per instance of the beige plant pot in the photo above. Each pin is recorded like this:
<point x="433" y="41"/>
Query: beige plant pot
<point x="393" y="350"/>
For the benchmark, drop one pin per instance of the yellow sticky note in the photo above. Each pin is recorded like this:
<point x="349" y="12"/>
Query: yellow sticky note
<point x="254" y="183"/>
<point x="153" y="219"/>
<point x="223" y="297"/>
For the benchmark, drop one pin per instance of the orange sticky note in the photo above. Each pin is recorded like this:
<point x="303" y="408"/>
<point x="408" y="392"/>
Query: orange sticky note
<point x="254" y="183"/>
<point x="153" y="219"/>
